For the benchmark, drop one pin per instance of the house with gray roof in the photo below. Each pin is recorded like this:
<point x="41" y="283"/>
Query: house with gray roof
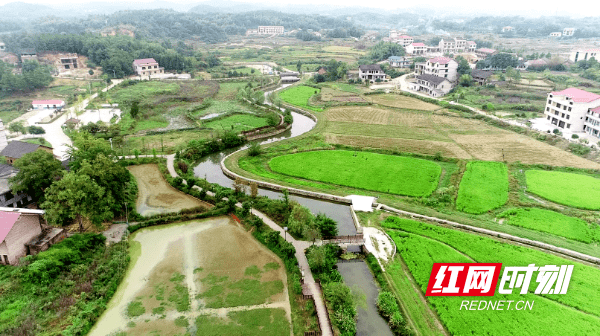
<point x="371" y="72"/>
<point x="16" y="149"/>
<point x="432" y="85"/>
<point x="481" y="77"/>
<point x="7" y="198"/>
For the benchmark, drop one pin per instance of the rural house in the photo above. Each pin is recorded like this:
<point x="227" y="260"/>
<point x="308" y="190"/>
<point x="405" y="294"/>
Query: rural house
<point x="371" y="72"/>
<point x="481" y="77"/>
<point x="438" y="66"/>
<point x="16" y="149"/>
<point x="575" y="110"/>
<point x="432" y="85"/>
<point x="416" y="49"/>
<point x="289" y="77"/>
<point x="7" y="198"/>
<point x="48" y="104"/>
<point x="404" y="40"/>
<point x="17" y="227"/>
<point x="584" y="54"/>
<point x="147" y="67"/>
<point x="399" y="61"/>
<point x="483" y="53"/>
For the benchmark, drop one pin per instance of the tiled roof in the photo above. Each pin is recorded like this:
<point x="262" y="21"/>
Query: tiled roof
<point x="440" y="60"/>
<point x="471" y="42"/>
<point x="47" y="102"/>
<point x="144" y="61"/>
<point x="404" y="37"/>
<point x="432" y="78"/>
<point x="578" y="95"/>
<point x="16" y="149"/>
<point x="396" y="58"/>
<point x="596" y="110"/>
<point x="7" y="221"/>
<point x="418" y="44"/>
<point x="537" y="62"/>
<point x="6" y="172"/>
<point x="481" y="73"/>
<point x="487" y="50"/>
<point x="370" y="67"/>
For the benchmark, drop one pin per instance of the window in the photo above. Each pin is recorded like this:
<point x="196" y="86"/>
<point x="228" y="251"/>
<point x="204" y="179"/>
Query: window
<point x="4" y="259"/>
<point x="548" y="117"/>
<point x="562" y="115"/>
<point x="568" y="125"/>
<point x="558" y="105"/>
<point x="547" y="109"/>
<point x="549" y="101"/>
<point x="569" y="109"/>
<point x="561" y="124"/>
<point x="555" y="112"/>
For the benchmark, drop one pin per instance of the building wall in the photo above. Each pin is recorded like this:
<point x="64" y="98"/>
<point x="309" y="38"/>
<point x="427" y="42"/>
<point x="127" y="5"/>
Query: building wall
<point x="26" y="228"/>
<point x="9" y="200"/>
<point x="270" y="29"/>
<point x="592" y="124"/>
<point x="448" y="70"/>
<point x="572" y="120"/>
<point x="584" y="55"/>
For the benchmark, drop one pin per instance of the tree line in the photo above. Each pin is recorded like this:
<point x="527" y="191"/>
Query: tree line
<point x="33" y="75"/>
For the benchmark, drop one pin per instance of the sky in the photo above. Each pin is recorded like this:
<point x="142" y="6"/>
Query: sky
<point x="526" y="8"/>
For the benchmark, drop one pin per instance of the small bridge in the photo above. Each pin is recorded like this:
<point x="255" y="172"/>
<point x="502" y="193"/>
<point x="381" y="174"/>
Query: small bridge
<point x="357" y="239"/>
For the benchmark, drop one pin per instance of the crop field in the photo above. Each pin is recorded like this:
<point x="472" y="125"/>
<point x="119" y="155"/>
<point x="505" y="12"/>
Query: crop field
<point x="228" y="91"/>
<point x="576" y="190"/>
<point x="428" y="132"/>
<point x="377" y="172"/>
<point x="156" y="196"/>
<point x="330" y="94"/>
<point x="552" y="222"/>
<point x="484" y="186"/>
<point x="237" y="123"/>
<point x="299" y="96"/>
<point x="403" y="102"/>
<point x="208" y="275"/>
<point x="420" y="245"/>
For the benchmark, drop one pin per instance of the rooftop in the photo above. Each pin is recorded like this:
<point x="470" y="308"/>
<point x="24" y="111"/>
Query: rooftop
<point x="144" y="61"/>
<point x="48" y="102"/>
<point x="596" y="110"/>
<point x="432" y="78"/>
<point x="418" y="44"/>
<point x="404" y="37"/>
<point x="486" y="50"/>
<point x="481" y="73"/>
<point x="16" y="149"/>
<point x="578" y="95"/>
<point x="370" y="67"/>
<point x="396" y="58"/>
<point x="441" y="60"/>
<point x="7" y="221"/>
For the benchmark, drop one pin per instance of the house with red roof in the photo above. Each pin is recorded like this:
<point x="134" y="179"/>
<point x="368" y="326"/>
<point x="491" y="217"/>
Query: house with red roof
<point x="48" y="104"/>
<point x="484" y="53"/>
<point x="17" y="228"/>
<point x="404" y="40"/>
<point x="444" y="67"/>
<point x="574" y="110"/>
<point x="146" y="67"/>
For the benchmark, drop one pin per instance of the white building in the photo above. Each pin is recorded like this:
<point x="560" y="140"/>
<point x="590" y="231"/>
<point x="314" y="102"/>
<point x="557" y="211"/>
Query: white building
<point x="432" y="85"/>
<point x="439" y="66"/>
<point x="399" y="61"/>
<point x="416" y="49"/>
<point x="404" y="40"/>
<point x="371" y="72"/>
<point x="507" y="29"/>
<point x="556" y="34"/>
<point x="456" y="45"/>
<point x="568" y="31"/>
<point x="147" y="67"/>
<point x="269" y="30"/>
<point x="584" y="55"/>
<point x="571" y="109"/>
<point x="47" y="104"/>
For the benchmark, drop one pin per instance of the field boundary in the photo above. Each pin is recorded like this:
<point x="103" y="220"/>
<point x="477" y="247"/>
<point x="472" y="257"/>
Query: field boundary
<point x="534" y="243"/>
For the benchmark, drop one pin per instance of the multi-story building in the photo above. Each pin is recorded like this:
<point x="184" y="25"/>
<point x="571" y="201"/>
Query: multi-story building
<point x="147" y="67"/>
<point x="568" y="31"/>
<point x="584" y="55"/>
<point x="268" y="30"/>
<point x="456" y="45"/>
<point x="371" y="72"/>
<point x="416" y="49"/>
<point x="404" y="40"/>
<point x="439" y="66"/>
<point x="399" y="61"/>
<point x="432" y="85"/>
<point x="483" y="53"/>
<point x="570" y="109"/>
<point x="555" y="34"/>
<point x="507" y="29"/>
<point x="68" y="62"/>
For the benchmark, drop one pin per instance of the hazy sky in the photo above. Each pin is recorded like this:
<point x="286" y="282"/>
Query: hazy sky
<point x="525" y="8"/>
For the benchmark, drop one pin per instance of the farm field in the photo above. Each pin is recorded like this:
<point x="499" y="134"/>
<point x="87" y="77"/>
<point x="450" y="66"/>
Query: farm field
<point x="377" y="172"/>
<point x="420" y="245"/>
<point x="484" y="186"/>
<point x="237" y="123"/>
<point x="156" y="196"/>
<point x="299" y="96"/>
<point x="552" y="222"/>
<point x="176" y="268"/>
<point x="576" y="190"/>
<point x="403" y="102"/>
<point x="427" y="132"/>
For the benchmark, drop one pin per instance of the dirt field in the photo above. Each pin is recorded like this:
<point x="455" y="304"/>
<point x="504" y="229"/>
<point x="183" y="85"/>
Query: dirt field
<point x="156" y="195"/>
<point x="430" y="133"/>
<point x="403" y="102"/>
<point x="174" y="266"/>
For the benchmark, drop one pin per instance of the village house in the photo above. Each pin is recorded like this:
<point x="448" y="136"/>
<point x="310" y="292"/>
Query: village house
<point x="507" y="29"/>
<point x="47" y="104"/>
<point x="399" y="61"/>
<point x="481" y="77"/>
<point x="568" y="31"/>
<point x="289" y="77"/>
<point x="432" y="85"/>
<point x="416" y="49"/>
<point x="537" y="63"/>
<point x="584" y="54"/>
<point x="16" y="149"/>
<point x="7" y="198"/>
<point x="147" y="67"/>
<point x="575" y="110"/>
<point x="68" y="62"/>
<point x="439" y="66"/>
<point x="404" y="40"/>
<point x="483" y="53"/>
<point x="456" y="45"/>
<point x="269" y="30"/>
<point x="371" y="72"/>
<point x="28" y="55"/>
<point x="322" y="71"/>
<point x="555" y="34"/>
<point x="17" y="227"/>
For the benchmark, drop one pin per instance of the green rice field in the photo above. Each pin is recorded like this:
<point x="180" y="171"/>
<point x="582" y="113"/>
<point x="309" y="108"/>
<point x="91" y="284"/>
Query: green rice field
<point x="484" y="187"/>
<point x="299" y="96"/>
<point x="552" y="222"/>
<point x="576" y="190"/>
<point x="237" y="123"/>
<point x="378" y="172"/>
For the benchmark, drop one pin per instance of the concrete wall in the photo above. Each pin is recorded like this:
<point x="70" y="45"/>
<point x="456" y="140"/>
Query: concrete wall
<point x="26" y="228"/>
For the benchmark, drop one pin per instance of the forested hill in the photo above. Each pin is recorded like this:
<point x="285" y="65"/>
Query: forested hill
<point x="162" y="23"/>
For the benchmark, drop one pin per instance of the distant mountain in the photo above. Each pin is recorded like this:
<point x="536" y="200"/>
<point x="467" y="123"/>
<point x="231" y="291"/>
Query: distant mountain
<point x="21" y="11"/>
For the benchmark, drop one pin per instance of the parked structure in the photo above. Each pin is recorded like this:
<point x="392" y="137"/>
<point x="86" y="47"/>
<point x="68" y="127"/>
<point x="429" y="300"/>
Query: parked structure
<point x="16" y="149"/>
<point x="371" y="72"/>
<point x="584" y="55"/>
<point x="483" y="53"/>
<point x="568" y="31"/>
<point x="48" y="104"/>
<point x="17" y="227"/>
<point x="147" y="67"/>
<point x="575" y="110"/>
<point x="481" y="77"/>
<point x="399" y="61"/>
<point x="439" y="66"/>
<point x="416" y="49"/>
<point x="432" y="85"/>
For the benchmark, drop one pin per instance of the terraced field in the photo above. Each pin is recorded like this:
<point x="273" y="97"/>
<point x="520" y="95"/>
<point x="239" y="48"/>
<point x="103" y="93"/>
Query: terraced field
<point x="576" y="190"/>
<point x="484" y="186"/>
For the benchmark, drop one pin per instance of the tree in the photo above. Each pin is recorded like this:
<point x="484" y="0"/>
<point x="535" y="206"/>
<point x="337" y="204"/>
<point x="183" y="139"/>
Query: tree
<point x="134" y="110"/>
<point x="76" y="196"/>
<point x="87" y="147"/>
<point x="514" y="75"/>
<point x="463" y="66"/>
<point x="382" y="51"/>
<point x="300" y="219"/>
<point x="465" y="80"/>
<point x="37" y="171"/>
<point x="299" y="66"/>
<point x="327" y="226"/>
<point x="36" y="130"/>
<point x="17" y="128"/>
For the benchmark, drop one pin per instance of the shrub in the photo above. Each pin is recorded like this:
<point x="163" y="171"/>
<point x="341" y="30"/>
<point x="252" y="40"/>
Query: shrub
<point x="254" y="149"/>
<point x="36" y="130"/>
<point x="574" y="136"/>
<point x="182" y="166"/>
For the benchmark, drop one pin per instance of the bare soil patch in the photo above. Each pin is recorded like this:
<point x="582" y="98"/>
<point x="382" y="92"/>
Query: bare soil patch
<point x="403" y="102"/>
<point x="156" y="196"/>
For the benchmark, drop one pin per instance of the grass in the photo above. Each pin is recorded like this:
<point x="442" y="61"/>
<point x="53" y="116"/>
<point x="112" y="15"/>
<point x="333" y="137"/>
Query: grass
<point x="377" y="172"/>
<point x="404" y="102"/>
<point x="135" y="309"/>
<point x="552" y="222"/>
<point x="299" y="96"/>
<point x="484" y="187"/>
<point x="237" y="123"/>
<point x="256" y="322"/>
<point x="222" y="107"/>
<point x="420" y="245"/>
<point x="576" y="190"/>
<point x="248" y="291"/>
